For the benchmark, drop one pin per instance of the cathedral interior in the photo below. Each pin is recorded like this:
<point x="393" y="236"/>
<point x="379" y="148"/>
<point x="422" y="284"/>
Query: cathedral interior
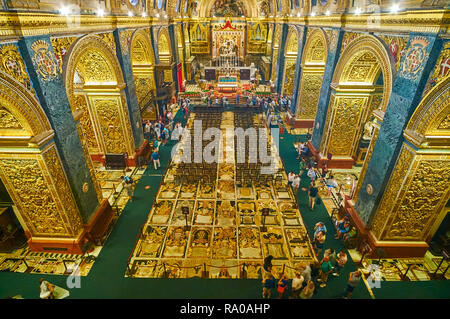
<point x="364" y="87"/>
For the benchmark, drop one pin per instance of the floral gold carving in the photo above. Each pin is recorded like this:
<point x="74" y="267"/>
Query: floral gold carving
<point x="111" y="127"/>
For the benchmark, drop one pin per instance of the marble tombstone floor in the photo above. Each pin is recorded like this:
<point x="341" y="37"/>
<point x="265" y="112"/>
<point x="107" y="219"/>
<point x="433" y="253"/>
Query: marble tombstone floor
<point x="25" y="261"/>
<point x="224" y="219"/>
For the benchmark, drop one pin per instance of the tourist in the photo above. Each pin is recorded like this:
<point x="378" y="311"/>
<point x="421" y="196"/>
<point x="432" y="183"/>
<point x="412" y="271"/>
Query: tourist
<point x="312" y="174"/>
<point x="353" y="281"/>
<point x="297" y="284"/>
<point x="282" y="286"/>
<point x="295" y="184"/>
<point x="165" y="135"/>
<point x="318" y="227"/>
<point x="268" y="284"/>
<point x="128" y="185"/>
<point x="291" y="177"/>
<point x="331" y="254"/>
<point x="268" y="264"/>
<point x="306" y="273"/>
<point x="351" y="234"/>
<point x="343" y="227"/>
<point x="341" y="260"/>
<point x="325" y="269"/>
<point x="155" y="157"/>
<point x="331" y="184"/>
<point x="318" y="242"/>
<point x="157" y="130"/>
<point x="313" y="190"/>
<point x="46" y="289"/>
<point x="308" y="291"/>
<point x="302" y="166"/>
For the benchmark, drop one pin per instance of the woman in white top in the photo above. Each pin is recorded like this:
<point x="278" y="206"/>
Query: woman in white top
<point x="296" y="183"/>
<point x="291" y="177"/>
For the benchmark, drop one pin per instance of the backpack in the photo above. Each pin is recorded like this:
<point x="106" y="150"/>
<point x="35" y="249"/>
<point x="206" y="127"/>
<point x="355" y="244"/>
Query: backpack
<point x="128" y="179"/>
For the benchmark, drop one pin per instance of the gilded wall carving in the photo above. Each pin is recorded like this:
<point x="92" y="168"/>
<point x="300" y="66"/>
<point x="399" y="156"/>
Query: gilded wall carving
<point x="309" y="97"/>
<point x="397" y="46"/>
<point x="441" y="70"/>
<point x="348" y="37"/>
<point x="445" y="124"/>
<point x="98" y="190"/>
<point x="44" y="60"/>
<point x="8" y="121"/>
<point x="316" y="52"/>
<point x="60" y="47"/>
<point x="328" y="120"/>
<point x="144" y="85"/>
<point x="390" y="195"/>
<point x="363" y="68"/>
<point x="11" y="63"/>
<point x="345" y="125"/>
<point x="111" y="126"/>
<point x="26" y="183"/>
<point x="94" y="67"/>
<point x="421" y="200"/>
<point x="80" y="103"/>
<point x="289" y="75"/>
<point x="63" y="190"/>
<point x="108" y="38"/>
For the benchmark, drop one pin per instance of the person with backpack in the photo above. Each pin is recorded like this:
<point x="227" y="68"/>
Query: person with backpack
<point x="282" y="286"/>
<point x="128" y="185"/>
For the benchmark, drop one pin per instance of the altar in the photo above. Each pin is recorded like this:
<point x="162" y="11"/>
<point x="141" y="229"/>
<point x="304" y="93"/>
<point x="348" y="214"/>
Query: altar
<point x="227" y="81"/>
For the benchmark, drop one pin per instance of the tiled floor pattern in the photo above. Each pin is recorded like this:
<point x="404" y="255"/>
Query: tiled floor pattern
<point x="224" y="219"/>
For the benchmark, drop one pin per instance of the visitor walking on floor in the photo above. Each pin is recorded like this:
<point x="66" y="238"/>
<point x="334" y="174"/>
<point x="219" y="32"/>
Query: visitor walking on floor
<point x="128" y="185"/>
<point x="325" y="269"/>
<point x="318" y="242"/>
<point x="353" y="281"/>
<point x="155" y="157"/>
<point x="46" y="289"/>
<point x="312" y="194"/>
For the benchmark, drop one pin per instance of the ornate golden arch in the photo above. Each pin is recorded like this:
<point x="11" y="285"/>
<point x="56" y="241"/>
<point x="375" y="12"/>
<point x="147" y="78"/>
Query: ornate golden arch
<point x="432" y="116"/>
<point x="355" y="50"/>
<point x="23" y="106"/>
<point x="164" y="46"/>
<point x="316" y="49"/>
<point x="292" y="42"/>
<point x="141" y="49"/>
<point x="205" y="7"/>
<point x="91" y="43"/>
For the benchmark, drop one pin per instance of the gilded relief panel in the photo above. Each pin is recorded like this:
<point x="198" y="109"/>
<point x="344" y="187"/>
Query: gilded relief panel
<point x="289" y="75"/>
<point x="11" y="63"/>
<point x="309" y="97"/>
<point x="345" y="125"/>
<point x="89" y="163"/>
<point x="112" y="129"/>
<point x="63" y="190"/>
<point x="28" y="185"/>
<point x="144" y="85"/>
<point x="60" y="47"/>
<point x="80" y="103"/>
<point x="328" y="121"/>
<point x="422" y="198"/>
<point x="390" y="195"/>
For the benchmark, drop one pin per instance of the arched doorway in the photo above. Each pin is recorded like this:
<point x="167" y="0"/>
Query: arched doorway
<point x="361" y="84"/>
<point x="94" y="86"/>
<point x="290" y="57"/>
<point x="32" y="172"/>
<point x="411" y="208"/>
<point x="313" y="67"/>
<point x="143" y="64"/>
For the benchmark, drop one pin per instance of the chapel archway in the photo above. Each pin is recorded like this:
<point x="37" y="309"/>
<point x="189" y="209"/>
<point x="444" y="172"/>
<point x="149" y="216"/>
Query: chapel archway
<point x="411" y="208"/>
<point x="361" y="84"/>
<point x="313" y="67"/>
<point x="32" y="172"/>
<point x="94" y="86"/>
<point x="290" y="56"/>
<point x="143" y="68"/>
